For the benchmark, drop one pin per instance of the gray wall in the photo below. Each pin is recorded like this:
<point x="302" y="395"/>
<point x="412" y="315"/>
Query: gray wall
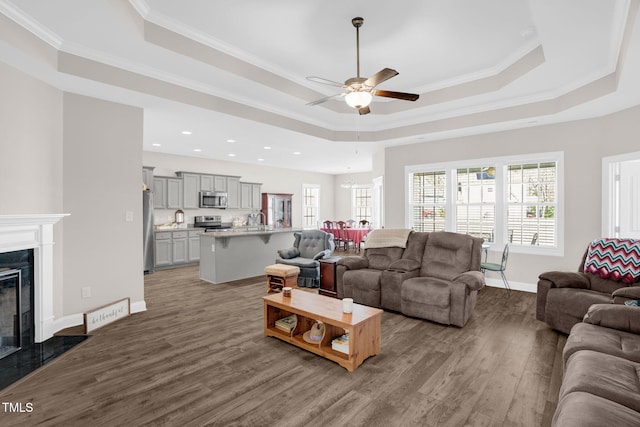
<point x="584" y="143"/>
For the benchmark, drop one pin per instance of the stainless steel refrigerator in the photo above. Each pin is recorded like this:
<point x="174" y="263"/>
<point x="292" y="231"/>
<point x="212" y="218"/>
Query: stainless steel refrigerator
<point x="147" y="231"/>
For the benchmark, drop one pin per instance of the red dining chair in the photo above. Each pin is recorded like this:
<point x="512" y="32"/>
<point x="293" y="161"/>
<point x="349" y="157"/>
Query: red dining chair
<point x="344" y="238"/>
<point x="332" y="228"/>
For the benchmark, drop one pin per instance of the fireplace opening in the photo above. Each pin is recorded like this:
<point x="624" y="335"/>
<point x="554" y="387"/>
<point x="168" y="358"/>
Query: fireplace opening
<point x="16" y="301"/>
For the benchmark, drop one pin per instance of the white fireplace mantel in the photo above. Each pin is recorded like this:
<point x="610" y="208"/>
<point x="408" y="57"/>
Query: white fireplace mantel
<point x="35" y="231"/>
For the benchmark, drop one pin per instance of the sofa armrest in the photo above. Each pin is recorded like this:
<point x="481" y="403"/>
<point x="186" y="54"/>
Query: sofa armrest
<point x="473" y="279"/>
<point x="354" y="262"/>
<point x="322" y="254"/>
<point x="614" y="316"/>
<point x="289" y="253"/>
<point x="563" y="279"/>
<point x="626" y="293"/>
<point x="404" y="265"/>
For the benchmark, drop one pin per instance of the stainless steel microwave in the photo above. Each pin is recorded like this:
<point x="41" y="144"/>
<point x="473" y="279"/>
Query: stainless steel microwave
<point x="213" y="199"/>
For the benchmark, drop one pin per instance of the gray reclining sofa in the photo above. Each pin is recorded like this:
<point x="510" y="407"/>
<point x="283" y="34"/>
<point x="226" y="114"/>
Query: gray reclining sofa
<point x="435" y="276"/>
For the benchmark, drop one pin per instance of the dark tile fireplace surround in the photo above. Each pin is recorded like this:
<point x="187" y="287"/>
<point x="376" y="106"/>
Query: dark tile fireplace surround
<point x="19" y="353"/>
<point x="16" y="301"/>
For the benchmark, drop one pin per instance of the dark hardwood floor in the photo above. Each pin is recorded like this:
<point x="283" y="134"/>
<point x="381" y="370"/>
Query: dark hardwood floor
<point x="198" y="357"/>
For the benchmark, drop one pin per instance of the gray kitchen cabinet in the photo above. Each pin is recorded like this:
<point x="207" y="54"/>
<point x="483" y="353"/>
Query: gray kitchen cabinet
<point x="194" y="246"/>
<point x="250" y="195"/>
<point x="163" y="249"/>
<point x="219" y="183"/>
<point x="174" y="193"/>
<point x="147" y="176"/>
<point x="245" y="195"/>
<point x="233" y="192"/>
<point x="206" y="183"/>
<point x="175" y="248"/>
<point x="180" y="249"/>
<point x="159" y="192"/>
<point x="256" y="196"/>
<point x="191" y="184"/>
<point x="167" y="192"/>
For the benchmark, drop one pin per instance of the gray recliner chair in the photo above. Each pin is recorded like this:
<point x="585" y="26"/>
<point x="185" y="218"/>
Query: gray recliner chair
<point x="309" y="246"/>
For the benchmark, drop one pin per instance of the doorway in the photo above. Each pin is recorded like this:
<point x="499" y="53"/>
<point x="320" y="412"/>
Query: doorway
<point x="621" y="196"/>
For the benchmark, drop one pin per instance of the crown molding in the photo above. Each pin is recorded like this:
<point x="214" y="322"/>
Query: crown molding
<point x="195" y="35"/>
<point x="19" y="17"/>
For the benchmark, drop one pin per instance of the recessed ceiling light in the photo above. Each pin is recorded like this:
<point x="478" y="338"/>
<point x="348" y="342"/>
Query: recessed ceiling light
<point x="186" y="132"/>
<point x="197" y="150"/>
<point x="297" y="153"/>
<point x="231" y="140"/>
<point x="231" y="155"/>
<point x="261" y="160"/>
<point x="267" y="148"/>
<point x="155" y="144"/>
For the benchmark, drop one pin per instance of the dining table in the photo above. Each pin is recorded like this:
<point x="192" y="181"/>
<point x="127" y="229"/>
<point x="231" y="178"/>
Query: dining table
<point x="355" y="234"/>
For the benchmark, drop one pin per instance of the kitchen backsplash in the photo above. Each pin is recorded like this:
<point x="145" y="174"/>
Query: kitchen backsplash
<point x="167" y="216"/>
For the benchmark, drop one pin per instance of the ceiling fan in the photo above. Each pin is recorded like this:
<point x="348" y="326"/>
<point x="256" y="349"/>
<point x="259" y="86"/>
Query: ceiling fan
<point x="359" y="91"/>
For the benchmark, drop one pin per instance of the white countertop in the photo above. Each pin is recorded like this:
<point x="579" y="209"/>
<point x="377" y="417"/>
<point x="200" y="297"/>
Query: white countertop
<point x="238" y="232"/>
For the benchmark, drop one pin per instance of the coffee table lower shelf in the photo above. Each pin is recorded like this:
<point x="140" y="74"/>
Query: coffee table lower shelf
<point x="363" y="326"/>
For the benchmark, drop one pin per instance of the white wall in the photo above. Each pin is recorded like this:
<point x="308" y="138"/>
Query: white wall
<point x="102" y="181"/>
<point x="584" y="144"/>
<point x="344" y="195"/>
<point x="64" y="153"/>
<point x="31" y="153"/>
<point x="274" y="180"/>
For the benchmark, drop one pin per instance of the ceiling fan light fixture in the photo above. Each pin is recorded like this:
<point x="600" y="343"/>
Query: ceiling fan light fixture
<point x="358" y="99"/>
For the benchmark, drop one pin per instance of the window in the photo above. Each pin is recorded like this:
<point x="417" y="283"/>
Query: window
<point x="532" y="203"/>
<point x="428" y="197"/>
<point x="515" y="200"/>
<point x="361" y="203"/>
<point x="476" y="201"/>
<point x="310" y="205"/>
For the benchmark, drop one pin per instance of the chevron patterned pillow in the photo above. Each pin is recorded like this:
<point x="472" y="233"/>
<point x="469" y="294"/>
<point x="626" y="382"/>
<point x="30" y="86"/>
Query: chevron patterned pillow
<point x="614" y="259"/>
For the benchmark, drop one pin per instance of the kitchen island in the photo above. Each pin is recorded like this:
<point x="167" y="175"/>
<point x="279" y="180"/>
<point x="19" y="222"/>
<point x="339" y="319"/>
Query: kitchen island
<point x="234" y="255"/>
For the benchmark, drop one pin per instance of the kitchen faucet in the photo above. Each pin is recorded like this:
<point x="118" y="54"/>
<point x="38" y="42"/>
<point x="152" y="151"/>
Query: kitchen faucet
<point x="264" y="220"/>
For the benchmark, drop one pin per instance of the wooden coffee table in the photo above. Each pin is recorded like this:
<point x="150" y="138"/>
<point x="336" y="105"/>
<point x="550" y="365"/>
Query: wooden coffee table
<point x="363" y="325"/>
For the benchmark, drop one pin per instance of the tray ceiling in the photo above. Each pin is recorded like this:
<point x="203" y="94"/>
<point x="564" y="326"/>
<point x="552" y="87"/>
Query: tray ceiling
<point x="237" y="70"/>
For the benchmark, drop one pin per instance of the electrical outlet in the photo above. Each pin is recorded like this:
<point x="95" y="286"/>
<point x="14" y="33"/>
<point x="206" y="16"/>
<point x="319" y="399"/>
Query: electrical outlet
<point x="86" y="292"/>
<point x="128" y="216"/>
<point x="213" y="248"/>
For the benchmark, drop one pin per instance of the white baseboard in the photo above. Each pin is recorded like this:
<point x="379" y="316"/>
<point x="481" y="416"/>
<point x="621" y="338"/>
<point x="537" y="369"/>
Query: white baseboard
<point x="78" y="319"/>
<point x="516" y="286"/>
<point x="138" y="306"/>
<point x="67" y="322"/>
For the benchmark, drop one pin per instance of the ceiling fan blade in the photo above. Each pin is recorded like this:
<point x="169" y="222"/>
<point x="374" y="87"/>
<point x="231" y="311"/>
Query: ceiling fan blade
<point x="397" y="95"/>
<point x="325" y="81"/>
<point x="364" y="110"/>
<point x="380" y="77"/>
<point x="325" y="99"/>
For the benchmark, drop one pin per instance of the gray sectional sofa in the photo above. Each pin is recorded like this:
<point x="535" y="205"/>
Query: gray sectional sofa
<point x="563" y="298"/>
<point x="601" y="381"/>
<point x="434" y="276"/>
